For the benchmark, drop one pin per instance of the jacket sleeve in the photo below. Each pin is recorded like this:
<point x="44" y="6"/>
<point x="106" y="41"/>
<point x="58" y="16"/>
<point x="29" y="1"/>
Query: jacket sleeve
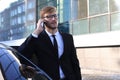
<point x="75" y="62"/>
<point x="27" y="50"/>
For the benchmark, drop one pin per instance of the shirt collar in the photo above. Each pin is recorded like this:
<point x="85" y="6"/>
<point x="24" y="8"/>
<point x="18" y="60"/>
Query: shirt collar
<point x="49" y="34"/>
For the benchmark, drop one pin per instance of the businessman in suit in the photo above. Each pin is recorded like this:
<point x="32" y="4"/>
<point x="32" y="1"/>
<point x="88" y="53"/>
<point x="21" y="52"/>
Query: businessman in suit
<point x="54" y="50"/>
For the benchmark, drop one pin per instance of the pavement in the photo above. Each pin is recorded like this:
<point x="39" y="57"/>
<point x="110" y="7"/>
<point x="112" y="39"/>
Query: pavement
<point x="88" y="74"/>
<point x="99" y="75"/>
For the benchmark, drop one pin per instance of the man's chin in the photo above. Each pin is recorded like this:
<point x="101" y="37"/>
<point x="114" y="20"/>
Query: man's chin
<point x="53" y="27"/>
<point x="50" y="27"/>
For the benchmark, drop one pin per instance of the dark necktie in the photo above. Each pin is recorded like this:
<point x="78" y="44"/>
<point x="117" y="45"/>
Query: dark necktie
<point x="55" y="45"/>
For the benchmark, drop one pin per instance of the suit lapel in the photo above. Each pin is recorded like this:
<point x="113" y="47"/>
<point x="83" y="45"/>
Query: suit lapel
<point x="64" y="43"/>
<point x="48" y="43"/>
<point x="47" y="39"/>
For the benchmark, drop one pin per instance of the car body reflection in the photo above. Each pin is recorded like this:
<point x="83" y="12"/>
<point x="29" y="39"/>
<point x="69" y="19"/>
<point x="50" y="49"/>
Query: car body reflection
<point x="9" y="65"/>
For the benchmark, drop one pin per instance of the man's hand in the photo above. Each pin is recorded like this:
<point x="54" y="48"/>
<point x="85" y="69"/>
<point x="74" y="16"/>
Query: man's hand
<point x="27" y="71"/>
<point x="39" y="28"/>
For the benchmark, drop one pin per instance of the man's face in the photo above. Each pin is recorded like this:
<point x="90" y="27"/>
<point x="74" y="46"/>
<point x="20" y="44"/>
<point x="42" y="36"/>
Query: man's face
<point x="51" y="20"/>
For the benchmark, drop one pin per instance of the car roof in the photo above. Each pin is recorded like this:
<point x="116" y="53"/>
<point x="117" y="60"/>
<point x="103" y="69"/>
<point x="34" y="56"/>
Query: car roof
<point x="17" y="42"/>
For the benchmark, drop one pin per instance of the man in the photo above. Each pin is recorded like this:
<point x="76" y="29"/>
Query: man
<point x="54" y="50"/>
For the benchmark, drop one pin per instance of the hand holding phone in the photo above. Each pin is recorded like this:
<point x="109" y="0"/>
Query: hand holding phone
<point x="40" y="27"/>
<point x="43" y="24"/>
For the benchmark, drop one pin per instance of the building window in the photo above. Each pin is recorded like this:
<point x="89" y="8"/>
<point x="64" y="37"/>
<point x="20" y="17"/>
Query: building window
<point x="98" y="7"/>
<point x="19" y="9"/>
<point x="99" y="24"/>
<point x="114" y="5"/>
<point x="82" y="9"/>
<point x="30" y="16"/>
<point x="115" y="21"/>
<point x="23" y="19"/>
<point x="19" y="20"/>
<point x="30" y="5"/>
<point x="80" y="27"/>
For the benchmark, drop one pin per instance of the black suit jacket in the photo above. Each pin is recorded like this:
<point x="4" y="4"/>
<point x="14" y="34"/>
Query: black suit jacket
<point x="42" y="47"/>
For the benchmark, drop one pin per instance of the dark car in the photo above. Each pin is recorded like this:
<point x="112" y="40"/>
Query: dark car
<point x="9" y="65"/>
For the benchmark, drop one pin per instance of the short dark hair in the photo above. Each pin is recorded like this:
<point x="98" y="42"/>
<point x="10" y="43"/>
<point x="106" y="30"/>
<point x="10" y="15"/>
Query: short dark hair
<point x="47" y="9"/>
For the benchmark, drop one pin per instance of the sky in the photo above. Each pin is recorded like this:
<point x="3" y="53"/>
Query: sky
<point x="5" y="4"/>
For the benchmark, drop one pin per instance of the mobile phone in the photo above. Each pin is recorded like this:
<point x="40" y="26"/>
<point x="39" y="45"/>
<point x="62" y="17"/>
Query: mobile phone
<point x="43" y="24"/>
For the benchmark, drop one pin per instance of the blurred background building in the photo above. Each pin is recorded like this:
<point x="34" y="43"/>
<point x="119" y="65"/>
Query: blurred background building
<point x="95" y="25"/>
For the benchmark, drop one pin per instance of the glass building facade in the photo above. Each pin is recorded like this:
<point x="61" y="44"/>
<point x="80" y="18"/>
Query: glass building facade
<point x="96" y="16"/>
<point x="75" y="16"/>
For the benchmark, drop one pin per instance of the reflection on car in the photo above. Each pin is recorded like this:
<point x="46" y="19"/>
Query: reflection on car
<point x="9" y="65"/>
